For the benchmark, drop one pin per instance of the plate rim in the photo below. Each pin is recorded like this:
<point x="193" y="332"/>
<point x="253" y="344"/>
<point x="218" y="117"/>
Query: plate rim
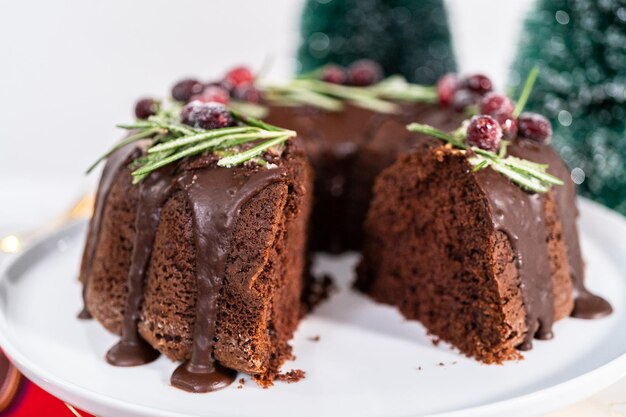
<point x="559" y="395"/>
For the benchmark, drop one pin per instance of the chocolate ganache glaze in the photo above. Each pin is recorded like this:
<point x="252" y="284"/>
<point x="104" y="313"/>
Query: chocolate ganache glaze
<point x="215" y="196"/>
<point x="111" y="169"/>
<point x="520" y="215"/>
<point x="154" y="190"/>
<point x="586" y="304"/>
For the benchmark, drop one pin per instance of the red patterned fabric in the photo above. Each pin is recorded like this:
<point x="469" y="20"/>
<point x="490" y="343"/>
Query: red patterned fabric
<point x="32" y="401"/>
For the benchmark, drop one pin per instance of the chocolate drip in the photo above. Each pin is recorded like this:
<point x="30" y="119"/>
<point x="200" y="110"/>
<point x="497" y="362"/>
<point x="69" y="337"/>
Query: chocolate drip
<point x="114" y="163"/>
<point x="586" y="304"/>
<point x="215" y="197"/>
<point x="154" y="191"/>
<point x="520" y="215"/>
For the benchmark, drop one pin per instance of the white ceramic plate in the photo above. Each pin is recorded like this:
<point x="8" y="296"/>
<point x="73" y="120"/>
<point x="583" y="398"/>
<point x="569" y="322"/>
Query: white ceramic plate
<point x="368" y="361"/>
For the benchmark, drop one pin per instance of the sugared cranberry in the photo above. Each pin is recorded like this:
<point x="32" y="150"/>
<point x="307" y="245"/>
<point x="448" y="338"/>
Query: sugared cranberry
<point x="364" y="72"/>
<point x="238" y="76"/>
<point x="496" y="103"/>
<point x="334" y="74"/>
<point x="184" y="89"/>
<point x="247" y="93"/>
<point x="464" y="98"/>
<point x="146" y="107"/>
<point x="206" y="115"/>
<point x="535" y="127"/>
<point x="507" y="123"/>
<point x="446" y="86"/>
<point x="213" y="93"/>
<point x="484" y="132"/>
<point x="477" y="83"/>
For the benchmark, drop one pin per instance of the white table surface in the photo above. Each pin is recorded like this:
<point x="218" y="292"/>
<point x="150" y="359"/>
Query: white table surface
<point x="30" y="200"/>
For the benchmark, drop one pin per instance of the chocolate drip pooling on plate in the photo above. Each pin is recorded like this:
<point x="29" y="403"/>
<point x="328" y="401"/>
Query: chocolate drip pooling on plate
<point x="112" y="168"/>
<point x="154" y="191"/>
<point x="521" y="216"/>
<point x="586" y="304"/>
<point x="216" y="197"/>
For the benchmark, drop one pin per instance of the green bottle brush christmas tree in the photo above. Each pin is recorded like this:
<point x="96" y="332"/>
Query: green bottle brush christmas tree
<point x="580" y="49"/>
<point x="406" y="37"/>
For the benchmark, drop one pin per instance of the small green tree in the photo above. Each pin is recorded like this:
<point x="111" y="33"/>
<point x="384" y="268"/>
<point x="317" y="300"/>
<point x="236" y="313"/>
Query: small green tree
<point x="407" y="37"/>
<point x="580" y="49"/>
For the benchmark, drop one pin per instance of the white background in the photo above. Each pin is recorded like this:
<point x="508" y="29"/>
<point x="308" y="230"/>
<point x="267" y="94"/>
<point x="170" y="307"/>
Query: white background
<point x="71" y="69"/>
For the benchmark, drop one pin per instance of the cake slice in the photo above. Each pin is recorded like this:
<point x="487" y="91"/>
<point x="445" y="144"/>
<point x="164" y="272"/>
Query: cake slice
<point x="202" y="257"/>
<point x="477" y="239"/>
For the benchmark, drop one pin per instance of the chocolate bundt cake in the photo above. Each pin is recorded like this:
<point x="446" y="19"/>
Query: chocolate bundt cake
<point x="198" y="244"/>
<point x="200" y="262"/>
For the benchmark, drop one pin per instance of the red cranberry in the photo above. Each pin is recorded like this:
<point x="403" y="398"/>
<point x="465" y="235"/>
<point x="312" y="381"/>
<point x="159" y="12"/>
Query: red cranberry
<point x="247" y="93"/>
<point x="146" y="107"/>
<point x="446" y="86"/>
<point x="184" y="89"/>
<point x="213" y="93"/>
<point x="334" y="74"/>
<point x="463" y="98"/>
<point x="496" y="103"/>
<point x="507" y="123"/>
<point x="206" y="115"/>
<point x="535" y="127"/>
<point x="484" y="132"/>
<point x="478" y="83"/>
<point x="238" y="76"/>
<point x="364" y="72"/>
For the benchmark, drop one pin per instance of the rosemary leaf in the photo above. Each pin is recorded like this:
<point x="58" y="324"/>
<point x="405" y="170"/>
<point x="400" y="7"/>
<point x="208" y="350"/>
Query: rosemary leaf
<point x="375" y="104"/>
<point x="527" y="182"/>
<point x="436" y="133"/>
<point x="528" y="88"/>
<point x="479" y="164"/>
<point x="541" y="174"/>
<point x="251" y="121"/>
<point x="130" y="139"/>
<point x="397" y="88"/>
<point x="236" y="140"/>
<point x="250" y="109"/>
<point x="200" y="137"/>
<point x="239" y="158"/>
<point x="138" y="125"/>
<point x="191" y="150"/>
<point x="313" y="98"/>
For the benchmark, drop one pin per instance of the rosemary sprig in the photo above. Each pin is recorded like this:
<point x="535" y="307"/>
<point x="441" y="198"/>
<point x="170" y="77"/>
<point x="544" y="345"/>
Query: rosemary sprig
<point x="173" y="141"/>
<point x="398" y="88"/>
<point x="239" y="158"/>
<point x="251" y="109"/>
<point x="526" y="90"/>
<point x="528" y="175"/>
<point x="381" y="97"/>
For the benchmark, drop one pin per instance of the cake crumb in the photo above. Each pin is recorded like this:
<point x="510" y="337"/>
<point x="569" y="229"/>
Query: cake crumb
<point x="294" y="375"/>
<point x="441" y="364"/>
<point x="419" y="368"/>
<point x="242" y="381"/>
<point x="315" y="338"/>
